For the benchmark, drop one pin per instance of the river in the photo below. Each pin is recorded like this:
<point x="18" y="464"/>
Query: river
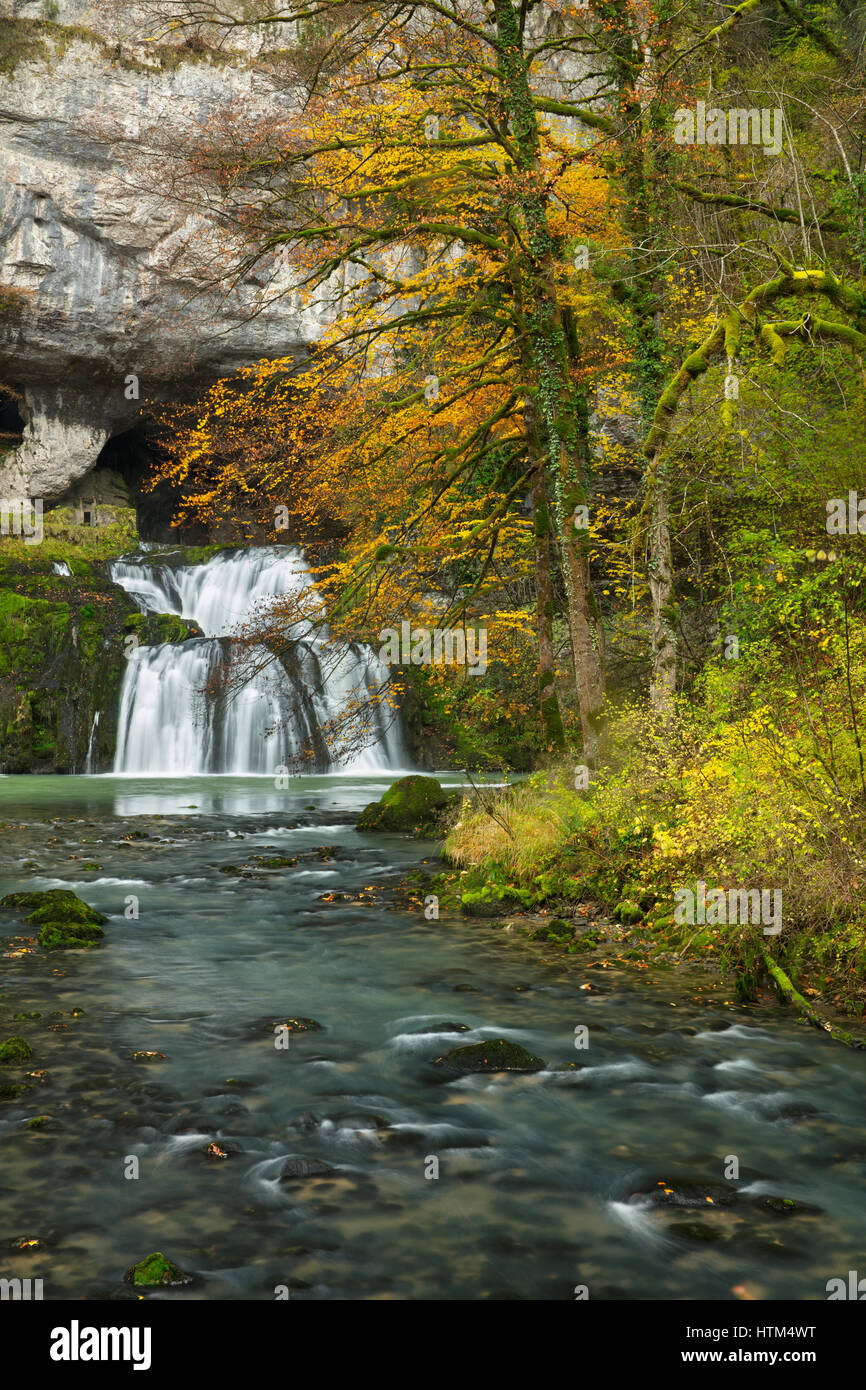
<point x="545" y="1180"/>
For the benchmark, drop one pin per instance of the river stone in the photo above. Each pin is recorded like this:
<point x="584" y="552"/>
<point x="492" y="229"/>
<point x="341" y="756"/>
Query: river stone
<point x="54" y="905"/>
<point x="15" y="1051"/>
<point x="412" y="805"/>
<point x="292" y="1024"/>
<point x="495" y="1055"/>
<point x="439" y="1028"/>
<point x="298" y="1168"/>
<point x="687" y="1192"/>
<point x="219" y="1149"/>
<point x="67" y="923"/>
<point x="63" y="936"/>
<point x="155" y="1271"/>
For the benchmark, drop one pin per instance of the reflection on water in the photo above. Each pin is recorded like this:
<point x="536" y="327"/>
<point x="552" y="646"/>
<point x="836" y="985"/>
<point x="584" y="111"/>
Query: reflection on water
<point x="605" y="1169"/>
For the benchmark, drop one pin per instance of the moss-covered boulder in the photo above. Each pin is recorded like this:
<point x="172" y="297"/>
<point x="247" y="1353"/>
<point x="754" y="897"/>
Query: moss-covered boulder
<point x="414" y="805"/>
<point x="155" y="1271"/>
<point x="628" y="912"/>
<point x="15" y="1051"/>
<point x="66" y="922"/>
<point x="495" y="1054"/>
<point x="55" y="905"/>
<point x="557" y="930"/>
<point x="154" y="629"/>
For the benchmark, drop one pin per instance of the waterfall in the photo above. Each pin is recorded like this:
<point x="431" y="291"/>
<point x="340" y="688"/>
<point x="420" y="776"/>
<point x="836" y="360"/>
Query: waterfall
<point x="88" y="766"/>
<point x="171" y="723"/>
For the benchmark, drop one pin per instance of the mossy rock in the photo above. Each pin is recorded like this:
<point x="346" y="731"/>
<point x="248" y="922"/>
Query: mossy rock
<point x="493" y="900"/>
<point x="497" y="1054"/>
<point x="588" y="940"/>
<point x="69" y="936"/>
<point x="628" y="912"/>
<point x="55" y="905"/>
<point x="413" y="805"/>
<point x="67" y="923"/>
<point x="291" y="1023"/>
<point x="155" y="629"/>
<point x="16" y="1090"/>
<point x="155" y="1271"/>
<point x="14" y="1051"/>
<point x="557" y="929"/>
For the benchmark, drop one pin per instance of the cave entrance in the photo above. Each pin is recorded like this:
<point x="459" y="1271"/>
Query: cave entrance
<point x="12" y="421"/>
<point x="131" y="455"/>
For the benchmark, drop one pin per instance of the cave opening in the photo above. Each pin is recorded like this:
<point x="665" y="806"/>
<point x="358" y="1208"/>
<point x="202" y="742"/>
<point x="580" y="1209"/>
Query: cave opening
<point x="131" y="455"/>
<point x="12" y="421"/>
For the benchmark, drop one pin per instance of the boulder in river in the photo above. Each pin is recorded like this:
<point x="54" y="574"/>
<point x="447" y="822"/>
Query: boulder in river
<point x="14" y="1051"/>
<point x="440" y="1028"/>
<point x="298" y="1168"/>
<point x="413" y="805"/>
<point x="155" y="1271"/>
<point x="66" y="922"/>
<point x="291" y="1023"/>
<point x="496" y="1054"/>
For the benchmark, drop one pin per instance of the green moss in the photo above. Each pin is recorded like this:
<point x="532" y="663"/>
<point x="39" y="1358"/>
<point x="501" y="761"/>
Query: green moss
<point x="156" y="1271"/>
<point x="154" y="629"/>
<point x="67" y="923"/>
<point x="412" y="805"/>
<point x="21" y="41"/>
<point x="497" y="1054"/>
<point x="61" y="936"/>
<point x="14" y="1051"/>
<point x="61" y="649"/>
<point x="53" y="905"/>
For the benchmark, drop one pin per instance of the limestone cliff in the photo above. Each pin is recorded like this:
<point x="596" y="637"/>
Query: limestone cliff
<point x="102" y="276"/>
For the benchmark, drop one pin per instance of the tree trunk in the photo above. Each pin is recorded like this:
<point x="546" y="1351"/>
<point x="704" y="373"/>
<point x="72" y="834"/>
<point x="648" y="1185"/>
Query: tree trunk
<point x="661" y="582"/>
<point x="557" y="405"/>
<point x="551" y="716"/>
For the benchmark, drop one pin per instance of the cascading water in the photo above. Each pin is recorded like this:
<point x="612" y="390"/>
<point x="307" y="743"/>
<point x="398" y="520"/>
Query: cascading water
<point x="170" y="723"/>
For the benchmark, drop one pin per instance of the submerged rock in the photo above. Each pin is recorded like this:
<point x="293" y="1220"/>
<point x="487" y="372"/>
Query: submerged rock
<point x="297" y="1168"/>
<point x="688" y="1192"/>
<point x="440" y="1028"/>
<point x="15" y="1051"/>
<point x="497" y="1054"/>
<point x="219" y="1149"/>
<point x="155" y="1271"/>
<point x="413" y="805"/>
<point x="291" y="1024"/>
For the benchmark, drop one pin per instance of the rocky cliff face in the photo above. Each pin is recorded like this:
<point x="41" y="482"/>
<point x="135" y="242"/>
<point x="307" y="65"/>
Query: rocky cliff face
<point x="105" y="283"/>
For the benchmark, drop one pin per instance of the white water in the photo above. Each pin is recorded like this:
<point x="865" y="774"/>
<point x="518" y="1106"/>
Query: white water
<point x="88" y="766"/>
<point x="169" y="725"/>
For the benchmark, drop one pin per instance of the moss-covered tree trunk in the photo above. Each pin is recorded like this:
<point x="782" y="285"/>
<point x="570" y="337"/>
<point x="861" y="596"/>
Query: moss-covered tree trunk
<point x="557" y="399"/>
<point x="554" y="734"/>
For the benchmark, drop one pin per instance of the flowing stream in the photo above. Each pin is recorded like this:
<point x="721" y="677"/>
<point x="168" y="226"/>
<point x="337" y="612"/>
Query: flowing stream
<point x="606" y="1169"/>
